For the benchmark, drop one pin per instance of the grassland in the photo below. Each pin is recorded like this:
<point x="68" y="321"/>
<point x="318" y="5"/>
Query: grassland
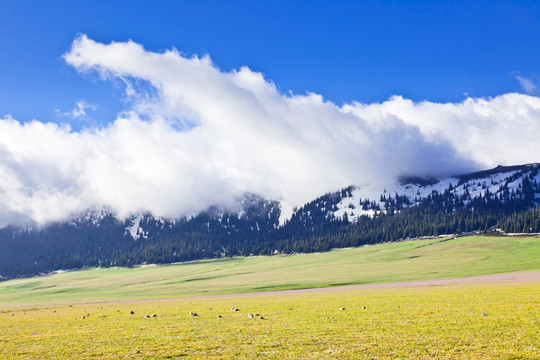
<point x="87" y="314"/>
<point x="457" y="322"/>
<point x="411" y="260"/>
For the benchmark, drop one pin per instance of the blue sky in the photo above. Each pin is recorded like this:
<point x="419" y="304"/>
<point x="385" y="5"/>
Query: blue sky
<point x="300" y="98"/>
<point x="344" y="50"/>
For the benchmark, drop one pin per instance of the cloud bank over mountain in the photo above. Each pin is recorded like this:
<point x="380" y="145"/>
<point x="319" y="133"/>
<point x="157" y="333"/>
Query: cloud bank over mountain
<point x="195" y="136"/>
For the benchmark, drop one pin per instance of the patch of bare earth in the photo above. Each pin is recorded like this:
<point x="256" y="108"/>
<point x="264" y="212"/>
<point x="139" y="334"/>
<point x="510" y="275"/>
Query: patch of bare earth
<point x="531" y="276"/>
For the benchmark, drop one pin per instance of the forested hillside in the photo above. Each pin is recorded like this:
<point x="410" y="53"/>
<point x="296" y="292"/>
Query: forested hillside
<point x="502" y="199"/>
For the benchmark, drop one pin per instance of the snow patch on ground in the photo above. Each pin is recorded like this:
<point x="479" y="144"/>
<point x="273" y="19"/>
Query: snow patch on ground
<point x="286" y="213"/>
<point x="134" y="229"/>
<point x="58" y="271"/>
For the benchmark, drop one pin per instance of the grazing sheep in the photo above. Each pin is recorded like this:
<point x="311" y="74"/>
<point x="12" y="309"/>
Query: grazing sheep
<point x="235" y="309"/>
<point x="154" y="315"/>
<point x="484" y="314"/>
<point x="147" y="316"/>
<point x="250" y="315"/>
<point x="341" y="308"/>
<point x="260" y="317"/>
<point x="132" y="312"/>
<point x="363" y="307"/>
<point x="219" y="316"/>
<point x="83" y="318"/>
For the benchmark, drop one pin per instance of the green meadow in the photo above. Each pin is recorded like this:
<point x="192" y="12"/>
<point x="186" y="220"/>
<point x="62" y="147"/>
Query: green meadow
<point x="93" y="313"/>
<point x="409" y="260"/>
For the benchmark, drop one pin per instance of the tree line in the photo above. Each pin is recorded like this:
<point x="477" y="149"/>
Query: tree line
<point x="312" y="228"/>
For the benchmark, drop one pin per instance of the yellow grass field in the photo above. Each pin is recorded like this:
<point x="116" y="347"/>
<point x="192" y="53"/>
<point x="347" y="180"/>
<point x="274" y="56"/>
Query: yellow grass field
<point x="87" y="314"/>
<point x="499" y="321"/>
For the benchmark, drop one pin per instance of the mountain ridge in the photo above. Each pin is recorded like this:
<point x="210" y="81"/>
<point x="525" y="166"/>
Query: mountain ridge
<point x="503" y="197"/>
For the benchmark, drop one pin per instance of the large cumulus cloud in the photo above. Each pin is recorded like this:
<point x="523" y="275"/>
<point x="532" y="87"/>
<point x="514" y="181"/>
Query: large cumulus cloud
<point x="196" y="136"/>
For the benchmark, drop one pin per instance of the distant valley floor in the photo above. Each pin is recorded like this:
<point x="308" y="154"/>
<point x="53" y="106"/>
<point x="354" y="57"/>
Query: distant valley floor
<point x="528" y="277"/>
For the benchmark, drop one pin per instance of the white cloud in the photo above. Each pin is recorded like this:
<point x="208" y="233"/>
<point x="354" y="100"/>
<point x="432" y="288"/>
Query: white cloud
<point x="196" y="136"/>
<point x="526" y="84"/>
<point x="500" y="130"/>
<point x="78" y="110"/>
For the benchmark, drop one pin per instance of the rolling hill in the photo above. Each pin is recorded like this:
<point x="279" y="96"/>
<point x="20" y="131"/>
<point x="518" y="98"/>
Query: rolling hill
<point x="437" y="258"/>
<point x="503" y="199"/>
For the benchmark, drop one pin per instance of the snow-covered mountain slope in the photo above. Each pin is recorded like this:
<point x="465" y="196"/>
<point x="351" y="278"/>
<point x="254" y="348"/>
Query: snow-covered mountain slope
<point x="258" y="214"/>
<point x="501" y="183"/>
<point x="503" y="198"/>
<point x="251" y="208"/>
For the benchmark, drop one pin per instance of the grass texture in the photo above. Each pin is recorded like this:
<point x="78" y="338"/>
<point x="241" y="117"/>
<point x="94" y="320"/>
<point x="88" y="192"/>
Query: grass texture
<point x="410" y="260"/>
<point x="443" y="322"/>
